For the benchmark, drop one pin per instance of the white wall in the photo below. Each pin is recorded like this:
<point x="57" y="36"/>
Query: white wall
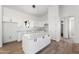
<point x="72" y="10"/>
<point x="69" y="10"/>
<point x="41" y="21"/>
<point x="54" y="22"/>
<point x="0" y="26"/>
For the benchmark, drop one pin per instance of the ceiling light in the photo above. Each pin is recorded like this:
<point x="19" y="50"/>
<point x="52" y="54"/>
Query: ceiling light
<point x="33" y="6"/>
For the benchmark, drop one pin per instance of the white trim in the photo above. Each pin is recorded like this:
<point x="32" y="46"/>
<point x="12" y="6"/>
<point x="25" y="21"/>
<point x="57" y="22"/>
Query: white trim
<point x="0" y="26"/>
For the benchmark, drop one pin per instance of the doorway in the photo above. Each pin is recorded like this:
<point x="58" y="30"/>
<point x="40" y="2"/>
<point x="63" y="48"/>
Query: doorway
<point x="61" y="28"/>
<point x="71" y="27"/>
<point x="67" y="27"/>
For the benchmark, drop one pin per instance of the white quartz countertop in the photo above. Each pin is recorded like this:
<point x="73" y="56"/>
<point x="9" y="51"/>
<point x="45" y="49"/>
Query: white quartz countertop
<point x="35" y="34"/>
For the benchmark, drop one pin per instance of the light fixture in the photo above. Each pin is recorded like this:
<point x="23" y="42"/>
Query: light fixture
<point x="33" y="6"/>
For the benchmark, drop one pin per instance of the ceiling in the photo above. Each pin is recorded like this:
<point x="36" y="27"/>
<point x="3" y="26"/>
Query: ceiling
<point x="37" y="11"/>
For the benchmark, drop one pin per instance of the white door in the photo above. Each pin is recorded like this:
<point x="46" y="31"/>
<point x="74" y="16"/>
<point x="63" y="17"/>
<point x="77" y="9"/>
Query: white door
<point x="71" y="27"/>
<point x="65" y="28"/>
<point x="9" y="31"/>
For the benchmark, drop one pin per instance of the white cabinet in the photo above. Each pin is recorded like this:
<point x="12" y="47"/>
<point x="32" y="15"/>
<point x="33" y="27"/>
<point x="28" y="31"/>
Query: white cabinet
<point x="9" y="31"/>
<point x="54" y="22"/>
<point x="33" y="45"/>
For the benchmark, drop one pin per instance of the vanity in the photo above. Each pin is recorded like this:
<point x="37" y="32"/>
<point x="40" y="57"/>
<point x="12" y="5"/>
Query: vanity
<point x="33" y="42"/>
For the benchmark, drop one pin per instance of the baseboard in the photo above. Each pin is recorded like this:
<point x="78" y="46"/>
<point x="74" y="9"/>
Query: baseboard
<point x="9" y="42"/>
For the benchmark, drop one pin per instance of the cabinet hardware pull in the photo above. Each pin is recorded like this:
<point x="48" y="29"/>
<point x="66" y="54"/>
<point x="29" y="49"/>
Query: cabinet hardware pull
<point x="48" y="35"/>
<point x="35" y="40"/>
<point x="43" y="37"/>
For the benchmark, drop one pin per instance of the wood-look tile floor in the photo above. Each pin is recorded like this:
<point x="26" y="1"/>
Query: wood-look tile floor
<point x="64" y="46"/>
<point x="12" y="48"/>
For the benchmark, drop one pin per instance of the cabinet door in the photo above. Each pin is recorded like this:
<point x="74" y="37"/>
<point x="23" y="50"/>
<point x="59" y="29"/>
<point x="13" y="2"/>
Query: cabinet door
<point x="9" y="32"/>
<point x="31" y="46"/>
<point x="39" y="43"/>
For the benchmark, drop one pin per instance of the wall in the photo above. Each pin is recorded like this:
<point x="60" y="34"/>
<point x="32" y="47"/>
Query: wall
<point x="19" y="18"/>
<point x="54" y="22"/>
<point x="41" y="21"/>
<point x="72" y="10"/>
<point x="0" y="26"/>
<point x="69" y="10"/>
<point x="15" y="16"/>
